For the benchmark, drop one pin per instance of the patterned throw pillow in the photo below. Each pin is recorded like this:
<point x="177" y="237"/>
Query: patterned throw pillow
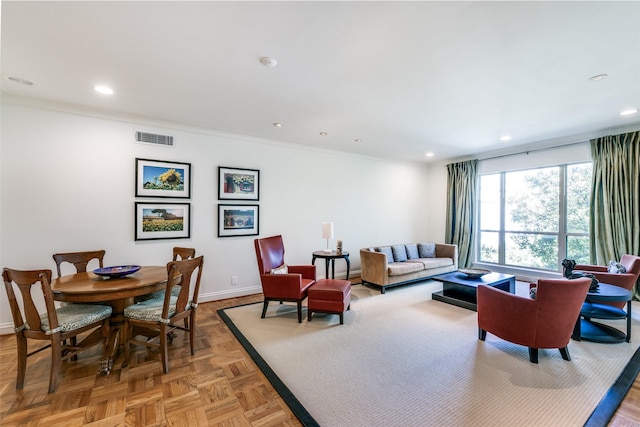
<point x="412" y="251"/>
<point x="427" y="250"/>
<point x="283" y="269"/>
<point x="387" y="251"/>
<point x="532" y="292"/>
<point x="616" y="268"/>
<point x="399" y="253"/>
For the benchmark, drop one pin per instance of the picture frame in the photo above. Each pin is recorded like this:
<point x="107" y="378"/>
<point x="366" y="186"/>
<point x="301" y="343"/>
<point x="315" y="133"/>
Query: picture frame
<point x="238" y="220"/>
<point x="238" y="184"/>
<point x="161" y="178"/>
<point x="154" y="221"/>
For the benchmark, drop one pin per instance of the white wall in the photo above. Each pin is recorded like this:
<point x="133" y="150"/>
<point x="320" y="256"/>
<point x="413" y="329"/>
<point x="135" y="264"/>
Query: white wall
<point x="67" y="183"/>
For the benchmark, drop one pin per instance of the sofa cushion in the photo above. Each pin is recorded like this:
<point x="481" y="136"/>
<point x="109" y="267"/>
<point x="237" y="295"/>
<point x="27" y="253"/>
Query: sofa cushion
<point x="399" y="253"/>
<point x="429" y="263"/>
<point x="387" y="251"/>
<point x="399" y="268"/>
<point x="412" y="251"/>
<point x="427" y="250"/>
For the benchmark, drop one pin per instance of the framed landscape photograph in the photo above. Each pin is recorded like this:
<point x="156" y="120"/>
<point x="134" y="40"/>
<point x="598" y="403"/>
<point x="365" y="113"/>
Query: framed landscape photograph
<point x="162" y="221"/>
<point x="238" y="220"/>
<point x="238" y="184"/>
<point x="159" y="178"/>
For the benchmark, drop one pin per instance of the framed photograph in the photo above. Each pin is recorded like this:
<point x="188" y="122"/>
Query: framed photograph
<point x="159" y="178"/>
<point x="238" y="220"/>
<point x="238" y="184"/>
<point x="162" y="221"/>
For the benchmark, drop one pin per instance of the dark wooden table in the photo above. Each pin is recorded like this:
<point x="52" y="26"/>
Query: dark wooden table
<point x="461" y="290"/>
<point x="588" y="330"/>
<point x="116" y="292"/>
<point x="331" y="257"/>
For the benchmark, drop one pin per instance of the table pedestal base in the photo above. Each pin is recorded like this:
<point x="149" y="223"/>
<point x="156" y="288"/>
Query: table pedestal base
<point x="598" y="332"/>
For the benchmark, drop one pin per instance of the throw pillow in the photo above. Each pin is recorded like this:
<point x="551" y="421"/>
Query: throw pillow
<point x="532" y="292"/>
<point x="616" y="268"/>
<point x="399" y="253"/>
<point x="280" y="270"/>
<point x="412" y="251"/>
<point x="427" y="250"/>
<point x="387" y="251"/>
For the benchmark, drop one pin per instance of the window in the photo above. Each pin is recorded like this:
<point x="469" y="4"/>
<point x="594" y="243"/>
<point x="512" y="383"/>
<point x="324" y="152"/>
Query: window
<point x="535" y="218"/>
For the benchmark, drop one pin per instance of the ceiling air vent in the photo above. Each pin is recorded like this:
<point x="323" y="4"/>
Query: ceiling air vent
<point x="152" y="138"/>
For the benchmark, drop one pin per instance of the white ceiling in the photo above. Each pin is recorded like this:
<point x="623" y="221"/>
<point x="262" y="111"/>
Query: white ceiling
<point x="404" y="77"/>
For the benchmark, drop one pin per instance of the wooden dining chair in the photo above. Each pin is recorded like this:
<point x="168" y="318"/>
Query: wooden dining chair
<point x="157" y="318"/>
<point x="55" y="326"/>
<point x="78" y="259"/>
<point x="183" y="253"/>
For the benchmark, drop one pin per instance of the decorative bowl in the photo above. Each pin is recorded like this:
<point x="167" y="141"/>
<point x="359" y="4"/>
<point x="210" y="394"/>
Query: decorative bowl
<point x="116" y="271"/>
<point x="474" y="273"/>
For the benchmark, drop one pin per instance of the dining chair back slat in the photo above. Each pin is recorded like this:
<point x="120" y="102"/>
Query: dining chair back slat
<point x="78" y="259"/>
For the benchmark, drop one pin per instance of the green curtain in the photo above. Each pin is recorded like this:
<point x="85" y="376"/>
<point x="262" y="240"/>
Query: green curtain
<point x="615" y="198"/>
<point x="462" y="185"/>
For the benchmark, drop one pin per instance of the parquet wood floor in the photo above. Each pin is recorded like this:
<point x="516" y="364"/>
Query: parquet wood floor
<point x="219" y="386"/>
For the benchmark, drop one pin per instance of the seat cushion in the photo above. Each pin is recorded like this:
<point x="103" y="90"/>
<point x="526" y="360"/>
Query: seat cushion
<point x="398" y="268"/>
<point x="150" y="310"/>
<point x="330" y="290"/>
<point x="76" y="316"/>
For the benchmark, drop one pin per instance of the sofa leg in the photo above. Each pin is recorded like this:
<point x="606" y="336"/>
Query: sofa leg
<point x="564" y="351"/>
<point x="482" y="334"/>
<point x="533" y="355"/>
<point x="264" y="308"/>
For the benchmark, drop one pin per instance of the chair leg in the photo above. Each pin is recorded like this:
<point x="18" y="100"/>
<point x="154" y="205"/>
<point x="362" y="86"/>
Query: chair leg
<point x="482" y="334"/>
<point x="192" y="330"/>
<point x="56" y="359"/>
<point x="124" y="330"/>
<point x="22" y="359"/>
<point x="309" y="313"/>
<point x="533" y="355"/>
<point x="564" y="351"/>
<point x="299" y="311"/>
<point x="264" y="308"/>
<point x="342" y="318"/>
<point x="164" y="351"/>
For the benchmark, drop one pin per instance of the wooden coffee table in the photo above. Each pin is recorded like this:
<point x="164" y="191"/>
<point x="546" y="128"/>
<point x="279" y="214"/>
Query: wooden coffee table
<point x="461" y="290"/>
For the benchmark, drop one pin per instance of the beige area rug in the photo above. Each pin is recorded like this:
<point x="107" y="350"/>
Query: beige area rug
<point x="402" y="359"/>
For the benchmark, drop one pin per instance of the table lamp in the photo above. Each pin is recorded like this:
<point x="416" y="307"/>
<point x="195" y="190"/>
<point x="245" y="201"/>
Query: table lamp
<point x="327" y="233"/>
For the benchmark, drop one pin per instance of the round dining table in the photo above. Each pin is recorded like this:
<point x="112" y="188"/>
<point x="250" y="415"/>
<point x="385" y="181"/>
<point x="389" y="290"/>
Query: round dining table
<point x="118" y="292"/>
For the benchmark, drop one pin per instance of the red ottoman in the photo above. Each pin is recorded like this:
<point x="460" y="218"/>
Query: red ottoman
<point x="329" y="296"/>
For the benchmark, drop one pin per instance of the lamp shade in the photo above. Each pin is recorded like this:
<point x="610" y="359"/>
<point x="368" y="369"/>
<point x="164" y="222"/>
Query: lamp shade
<point x="327" y="230"/>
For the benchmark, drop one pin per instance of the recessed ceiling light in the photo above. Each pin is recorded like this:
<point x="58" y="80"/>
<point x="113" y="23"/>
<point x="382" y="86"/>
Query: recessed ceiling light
<point x="598" y="77"/>
<point x="20" y="81"/>
<point x="278" y="125"/>
<point x="505" y="137"/>
<point x="105" y="90"/>
<point x="268" y="62"/>
<point x="429" y="154"/>
<point x="358" y="140"/>
<point x="629" y="112"/>
<point x="323" y="133"/>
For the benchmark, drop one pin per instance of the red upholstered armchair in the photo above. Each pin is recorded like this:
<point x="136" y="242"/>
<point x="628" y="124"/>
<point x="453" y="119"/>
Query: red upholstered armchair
<point x="624" y="280"/>
<point x="544" y="322"/>
<point x="290" y="283"/>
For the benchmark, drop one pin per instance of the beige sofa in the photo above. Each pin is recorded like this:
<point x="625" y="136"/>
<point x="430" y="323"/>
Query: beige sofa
<point x="386" y="266"/>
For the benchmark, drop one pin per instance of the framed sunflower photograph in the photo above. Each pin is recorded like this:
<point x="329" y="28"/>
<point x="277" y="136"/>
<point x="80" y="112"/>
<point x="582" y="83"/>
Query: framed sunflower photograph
<point x="159" y="178"/>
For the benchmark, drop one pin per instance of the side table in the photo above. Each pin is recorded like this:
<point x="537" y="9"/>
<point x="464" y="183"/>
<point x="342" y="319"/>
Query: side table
<point x="331" y="257"/>
<point x="588" y="330"/>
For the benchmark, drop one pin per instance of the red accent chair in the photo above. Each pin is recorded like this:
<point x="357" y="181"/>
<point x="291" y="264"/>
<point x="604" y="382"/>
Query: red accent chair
<point x="544" y="322"/>
<point x="625" y="280"/>
<point x="292" y="286"/>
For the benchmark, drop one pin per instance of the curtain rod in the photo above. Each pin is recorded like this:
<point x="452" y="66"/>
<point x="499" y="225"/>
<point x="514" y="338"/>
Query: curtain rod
<point x="535" y="150"/>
